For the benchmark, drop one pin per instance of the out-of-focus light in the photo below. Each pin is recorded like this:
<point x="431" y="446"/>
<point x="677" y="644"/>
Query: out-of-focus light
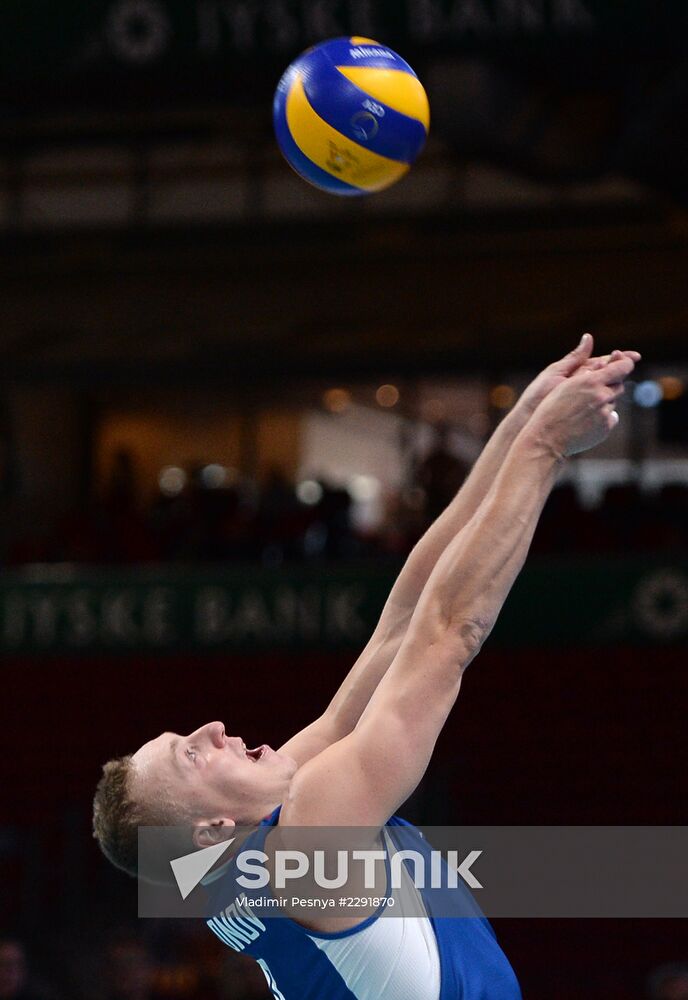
<point x="647" y="394"/>
<point x="337" y="400"/>
<point x="672" y="387"/>
<point x="364" y="488"/>
<point x="171" y="480"/>
<point x="214" y="476"/>
<point x="309" y="492"/>
<point x="502" y="397"/>
<point x="387" y="396"/>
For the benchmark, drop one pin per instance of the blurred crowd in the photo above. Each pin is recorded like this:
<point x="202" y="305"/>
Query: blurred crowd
<point x="187" y="966"/>
<point x="196" y="519"/>
<point x="179" y="965"/>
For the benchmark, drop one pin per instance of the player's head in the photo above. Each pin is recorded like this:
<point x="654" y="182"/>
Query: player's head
<point x="206" y="781"/>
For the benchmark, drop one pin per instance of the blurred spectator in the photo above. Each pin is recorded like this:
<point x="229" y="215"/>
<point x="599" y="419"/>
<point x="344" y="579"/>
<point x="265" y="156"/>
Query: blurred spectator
<point x="669" y="982"/>
<point x="123" y="534"/>
<point x="129" y="971"/>
<point x="403" y="522"/>
<point x="121" y="491"/>
<point x="15" y="979"/>
<point x="334" y="515"/>
<point x="440" y="474"/>
<point x="242" y="979"/>
<point x="228" y="520"/>
<point x="13" y="970"/>
<point x="180" y="970"/>
<point x="280" y="519"/>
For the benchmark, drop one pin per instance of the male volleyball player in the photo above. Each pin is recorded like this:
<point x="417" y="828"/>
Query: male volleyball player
<point x="360" y="761"/>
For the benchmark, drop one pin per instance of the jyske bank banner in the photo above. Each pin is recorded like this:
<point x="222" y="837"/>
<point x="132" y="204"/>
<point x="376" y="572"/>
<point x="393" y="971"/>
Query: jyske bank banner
<point x="64" y="610"/>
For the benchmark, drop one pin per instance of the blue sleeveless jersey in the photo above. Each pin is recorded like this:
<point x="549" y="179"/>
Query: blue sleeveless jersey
<point x="298" y="963"/>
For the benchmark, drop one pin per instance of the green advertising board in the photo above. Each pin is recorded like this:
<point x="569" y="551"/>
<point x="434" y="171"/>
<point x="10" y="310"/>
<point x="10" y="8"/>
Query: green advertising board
<point x="554" y="603"/>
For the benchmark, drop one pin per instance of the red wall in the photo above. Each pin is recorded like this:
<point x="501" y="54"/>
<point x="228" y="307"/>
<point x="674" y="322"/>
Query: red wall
<point x="577" y="736"/>
<point x="536" y="737"/>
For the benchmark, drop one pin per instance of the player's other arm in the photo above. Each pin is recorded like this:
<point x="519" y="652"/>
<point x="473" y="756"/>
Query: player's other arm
<point x="350" y="700"/>
<point x="362" y="779"/>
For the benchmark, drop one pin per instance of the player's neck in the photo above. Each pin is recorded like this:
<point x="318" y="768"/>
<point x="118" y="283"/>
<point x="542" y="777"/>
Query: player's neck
<point x="269" y="808"/>
<point x="262" y="810"/>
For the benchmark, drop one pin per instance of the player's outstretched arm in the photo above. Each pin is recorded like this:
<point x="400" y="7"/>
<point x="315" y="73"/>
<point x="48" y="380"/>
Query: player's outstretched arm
<point x="362" y="779"/>
<point x="426" y="553"/>
<point x="350" y="700"/>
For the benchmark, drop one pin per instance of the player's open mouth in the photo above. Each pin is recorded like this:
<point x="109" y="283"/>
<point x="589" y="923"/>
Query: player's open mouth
<point x="256" y="754"/>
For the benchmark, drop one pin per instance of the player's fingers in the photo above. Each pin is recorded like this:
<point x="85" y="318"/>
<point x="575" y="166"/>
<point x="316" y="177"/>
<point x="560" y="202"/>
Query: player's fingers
<point x="617" y="370"/>
<point x="606" y="398"/>
<point x="617" y="390"/>
<point x="634" y="356"/>
<point x="577" y="357"/>
<point x="611" y="415"/>
<point x="596" y="363"/>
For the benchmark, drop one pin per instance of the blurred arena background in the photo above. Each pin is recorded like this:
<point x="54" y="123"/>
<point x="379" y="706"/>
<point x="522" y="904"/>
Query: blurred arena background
<point x="229" y="405"/>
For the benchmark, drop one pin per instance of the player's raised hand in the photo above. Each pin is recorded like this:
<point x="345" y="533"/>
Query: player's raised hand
<point x="559" y="371"/>
<point x="580" y="413"/>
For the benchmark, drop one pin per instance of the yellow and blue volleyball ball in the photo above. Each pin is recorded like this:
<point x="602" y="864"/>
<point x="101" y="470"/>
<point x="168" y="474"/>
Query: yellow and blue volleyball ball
<point x="351" y="116"/>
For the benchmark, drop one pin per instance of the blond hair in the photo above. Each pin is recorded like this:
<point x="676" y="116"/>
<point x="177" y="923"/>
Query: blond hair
<point x="116" y="817"/>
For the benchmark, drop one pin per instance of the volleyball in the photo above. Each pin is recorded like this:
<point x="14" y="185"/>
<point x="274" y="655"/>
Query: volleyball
<point x="351" y="116"/>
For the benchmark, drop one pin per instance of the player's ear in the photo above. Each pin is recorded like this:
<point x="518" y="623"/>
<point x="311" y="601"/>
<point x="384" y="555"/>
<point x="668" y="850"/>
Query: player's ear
<point x="207" y="833"/>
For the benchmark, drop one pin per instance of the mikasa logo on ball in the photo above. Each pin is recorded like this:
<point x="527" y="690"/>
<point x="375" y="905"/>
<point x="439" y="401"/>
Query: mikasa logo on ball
<point x="366" y="52"/>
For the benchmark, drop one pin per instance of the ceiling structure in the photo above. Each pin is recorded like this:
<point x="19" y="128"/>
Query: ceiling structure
<point x="145" y="234"/>
<point x="243" y="303"/>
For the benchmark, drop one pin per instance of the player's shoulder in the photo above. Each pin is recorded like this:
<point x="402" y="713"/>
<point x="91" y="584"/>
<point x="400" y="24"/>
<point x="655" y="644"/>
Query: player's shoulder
<point x="276" y="819"/>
